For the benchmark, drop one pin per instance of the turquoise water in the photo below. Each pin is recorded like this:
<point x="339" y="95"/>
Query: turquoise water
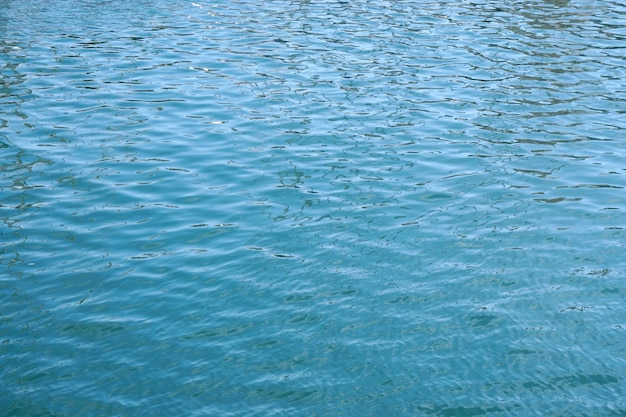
<point x="312" y="208"/>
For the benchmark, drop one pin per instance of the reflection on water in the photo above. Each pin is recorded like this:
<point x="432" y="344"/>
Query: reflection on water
<point x="342" y="208"/>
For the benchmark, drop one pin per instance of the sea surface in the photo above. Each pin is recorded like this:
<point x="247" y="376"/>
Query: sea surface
<point x="312" y="208"/>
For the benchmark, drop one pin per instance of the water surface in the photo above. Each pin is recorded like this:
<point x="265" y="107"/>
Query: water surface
<point x="365" y="208"/>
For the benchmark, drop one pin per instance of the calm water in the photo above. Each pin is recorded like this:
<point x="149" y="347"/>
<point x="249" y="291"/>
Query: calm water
<point x="312" y="208"/>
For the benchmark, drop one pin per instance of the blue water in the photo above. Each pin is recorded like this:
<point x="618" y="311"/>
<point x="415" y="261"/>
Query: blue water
<point x="312" y="208"/>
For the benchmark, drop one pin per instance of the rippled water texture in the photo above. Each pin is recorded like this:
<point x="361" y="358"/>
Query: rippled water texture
<point x="312" y="208"/>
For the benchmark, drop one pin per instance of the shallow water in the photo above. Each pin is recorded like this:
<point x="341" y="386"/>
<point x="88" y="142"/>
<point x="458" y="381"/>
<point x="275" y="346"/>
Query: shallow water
<point x="312" y="208"/>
